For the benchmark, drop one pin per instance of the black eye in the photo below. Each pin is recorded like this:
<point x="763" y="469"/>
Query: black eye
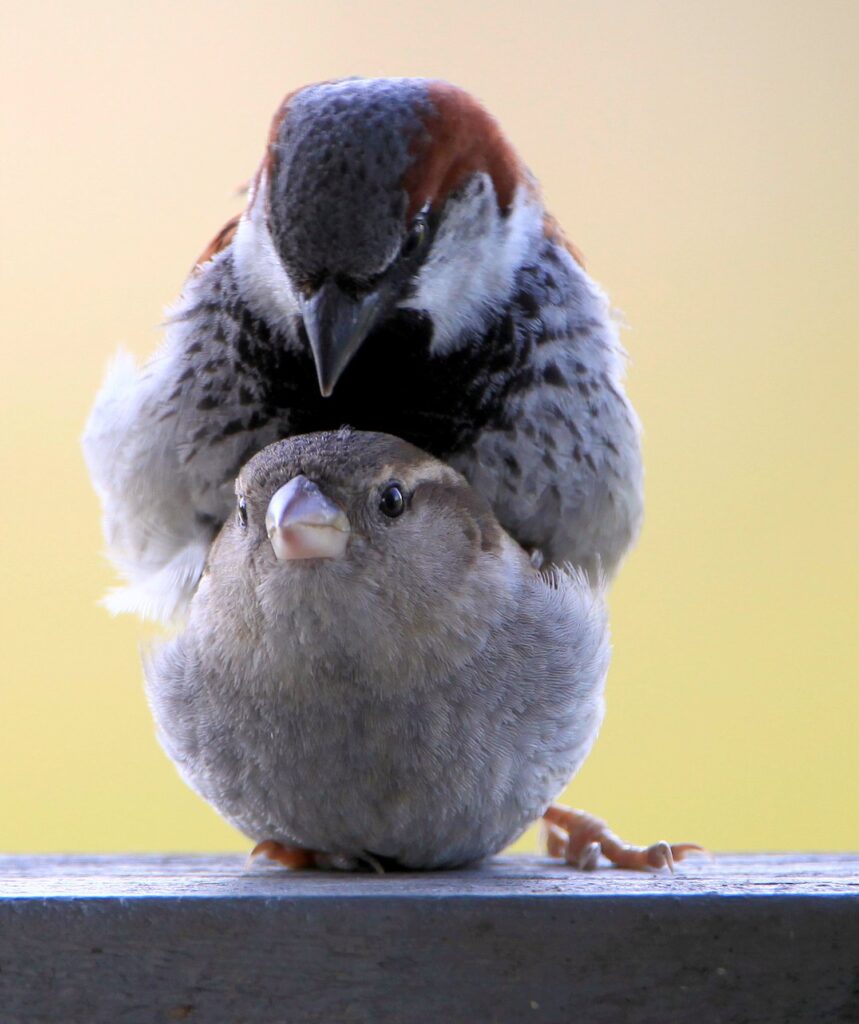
<point x="243" y="513"/>
<point x="415" y="239"/>
<point x="392" y="503"/>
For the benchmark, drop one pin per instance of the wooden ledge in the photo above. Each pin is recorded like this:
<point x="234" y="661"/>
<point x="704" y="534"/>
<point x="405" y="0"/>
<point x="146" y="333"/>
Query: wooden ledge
<point x="737" y="938"/>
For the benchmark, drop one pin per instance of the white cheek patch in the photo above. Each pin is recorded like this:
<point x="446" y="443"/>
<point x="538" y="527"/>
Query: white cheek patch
<point x="261" y="275"/>
<point x="473" y="261"/>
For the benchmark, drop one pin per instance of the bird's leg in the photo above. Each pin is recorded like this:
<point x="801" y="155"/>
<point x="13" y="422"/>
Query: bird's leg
<point x="293" y="857"/>
<point x="579" y="838"/>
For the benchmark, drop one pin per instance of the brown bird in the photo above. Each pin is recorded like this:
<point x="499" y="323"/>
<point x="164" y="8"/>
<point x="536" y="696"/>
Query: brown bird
<point x="373" y="671"/>
<point x="395" y="269"/>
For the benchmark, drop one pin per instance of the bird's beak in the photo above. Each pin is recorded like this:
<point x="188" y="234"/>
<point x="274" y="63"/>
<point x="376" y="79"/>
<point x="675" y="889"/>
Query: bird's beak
<point x="302" y="522"/>
<point x="336" y="325"/>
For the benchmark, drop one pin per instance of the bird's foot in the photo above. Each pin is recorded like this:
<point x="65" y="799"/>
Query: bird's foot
<point x="296" y="858"/>
<point x="293" y="857"/>
<point x="579" y="838"/>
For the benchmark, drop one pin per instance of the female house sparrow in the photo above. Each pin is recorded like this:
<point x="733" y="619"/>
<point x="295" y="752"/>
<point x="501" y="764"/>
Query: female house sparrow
<point x="373" y="671"/>
<point x="395" y="269"/>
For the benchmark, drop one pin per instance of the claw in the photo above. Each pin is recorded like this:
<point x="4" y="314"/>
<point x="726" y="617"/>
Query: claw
<point x="588" y="859"/>
<point x="372" y="862"/>
<point x="659" y="856"/>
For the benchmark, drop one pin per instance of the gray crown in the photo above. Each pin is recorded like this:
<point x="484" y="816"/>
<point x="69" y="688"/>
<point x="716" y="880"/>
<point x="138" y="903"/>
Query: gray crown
<point x="337" y="201"/>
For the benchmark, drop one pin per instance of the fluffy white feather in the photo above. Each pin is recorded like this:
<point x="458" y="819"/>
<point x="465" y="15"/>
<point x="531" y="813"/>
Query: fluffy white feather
<point x="135" y="474"/>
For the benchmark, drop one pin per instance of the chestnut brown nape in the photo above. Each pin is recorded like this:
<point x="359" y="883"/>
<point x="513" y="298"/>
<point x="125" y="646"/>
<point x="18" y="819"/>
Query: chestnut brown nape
<point x="460" y="138"/>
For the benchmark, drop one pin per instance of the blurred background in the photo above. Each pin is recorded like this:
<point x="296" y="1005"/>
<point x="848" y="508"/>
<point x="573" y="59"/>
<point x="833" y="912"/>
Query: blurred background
<point x="705" y="158"/>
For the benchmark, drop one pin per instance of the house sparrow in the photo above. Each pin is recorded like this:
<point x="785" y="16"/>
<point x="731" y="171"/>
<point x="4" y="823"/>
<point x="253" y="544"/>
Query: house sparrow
<point x="394" y="269"/>
<point x="372" y="670"/>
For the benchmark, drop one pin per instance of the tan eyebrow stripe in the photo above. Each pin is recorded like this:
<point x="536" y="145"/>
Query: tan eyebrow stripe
<point x="429" y="471"/>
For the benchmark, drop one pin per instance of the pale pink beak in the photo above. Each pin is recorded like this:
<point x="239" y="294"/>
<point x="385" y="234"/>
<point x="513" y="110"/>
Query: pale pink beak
<point x="302" y="522"/>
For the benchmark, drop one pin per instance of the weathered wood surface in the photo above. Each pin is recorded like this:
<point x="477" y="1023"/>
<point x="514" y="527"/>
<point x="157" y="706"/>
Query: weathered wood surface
<point x="149" y="939"/>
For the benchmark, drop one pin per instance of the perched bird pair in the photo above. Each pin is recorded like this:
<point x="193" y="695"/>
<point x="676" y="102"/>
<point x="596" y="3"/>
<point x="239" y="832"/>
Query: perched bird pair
<point x="372" y="669"/>
<point x="395" y="270"/>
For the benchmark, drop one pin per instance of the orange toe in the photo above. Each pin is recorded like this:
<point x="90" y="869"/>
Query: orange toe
<point x="579" y="838"/>
<point x="293" y="857"/>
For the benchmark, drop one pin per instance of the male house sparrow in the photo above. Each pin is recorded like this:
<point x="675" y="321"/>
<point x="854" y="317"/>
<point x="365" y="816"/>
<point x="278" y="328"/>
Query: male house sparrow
<point x="373" y="671"/>
<point x="394" y="269"/>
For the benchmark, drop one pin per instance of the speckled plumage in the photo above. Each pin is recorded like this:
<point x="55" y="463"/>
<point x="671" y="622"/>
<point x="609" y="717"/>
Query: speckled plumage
<point x="418" y="700"/>
<point x="490" y="347"/>
<point x="322" y="176"/>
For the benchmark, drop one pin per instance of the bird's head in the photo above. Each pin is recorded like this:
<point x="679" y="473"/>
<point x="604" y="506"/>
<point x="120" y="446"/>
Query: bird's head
<point x="384" y="194"/>
<point x="366" y="532"/>
<point x="366" y="498"/>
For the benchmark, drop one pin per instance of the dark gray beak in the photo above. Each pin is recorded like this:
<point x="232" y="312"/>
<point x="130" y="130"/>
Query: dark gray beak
<point x="336" y="325"/>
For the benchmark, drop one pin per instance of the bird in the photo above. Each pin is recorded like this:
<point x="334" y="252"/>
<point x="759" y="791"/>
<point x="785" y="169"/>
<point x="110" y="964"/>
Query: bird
<point x="373" y="673"/>
<point x="395" y="269"/>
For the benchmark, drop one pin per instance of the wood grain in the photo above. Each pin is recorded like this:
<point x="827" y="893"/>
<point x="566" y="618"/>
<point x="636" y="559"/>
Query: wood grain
<point x="738" y="938"/>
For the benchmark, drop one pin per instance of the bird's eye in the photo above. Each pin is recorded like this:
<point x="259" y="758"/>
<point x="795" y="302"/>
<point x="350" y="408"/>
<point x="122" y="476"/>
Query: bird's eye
<point x="243" y="512"/>
<point x="415" y="239"/>
<point x="392" y="503"/>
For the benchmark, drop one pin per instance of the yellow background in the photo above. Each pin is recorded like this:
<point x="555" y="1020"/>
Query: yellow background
<point x="702" y="155"/>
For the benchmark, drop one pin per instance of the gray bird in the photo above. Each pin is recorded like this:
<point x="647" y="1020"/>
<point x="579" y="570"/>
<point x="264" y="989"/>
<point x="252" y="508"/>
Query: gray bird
<point x="395" y="269"/>
<point x="372" y="670"/>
